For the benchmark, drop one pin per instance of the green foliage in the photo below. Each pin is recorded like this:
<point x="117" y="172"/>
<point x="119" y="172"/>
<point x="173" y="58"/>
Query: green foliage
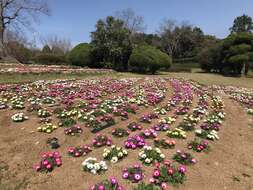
<point x="175" y="178"/>
<point x="111" y="46"/>
<point x="143" y="186"/>
<point x="210" y="58"/>
<point x="242" y="24"/>
<point x="80" y="55"/>
<point x="46" y="49"/>
<point x="236" y="51"/>
<point x="145" y="58"/>
<point x="49" y="59"/>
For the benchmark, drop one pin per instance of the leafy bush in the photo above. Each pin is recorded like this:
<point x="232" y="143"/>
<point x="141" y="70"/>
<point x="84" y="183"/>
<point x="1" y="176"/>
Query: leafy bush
<point x="145" y="58"/>
<point x="49" y="59"/>
<point x="210" y="58"/>
<point x="80" y="55"/>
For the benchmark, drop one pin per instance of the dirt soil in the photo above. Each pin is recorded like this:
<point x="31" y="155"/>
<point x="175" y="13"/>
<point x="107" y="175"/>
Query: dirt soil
<point x="228" y="166"/>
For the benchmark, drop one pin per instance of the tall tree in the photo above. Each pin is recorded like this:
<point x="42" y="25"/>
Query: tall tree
<point x="111" y="43"/>
<point x="134" y="23"/>
<point x="19" y="13"/>
<point x="242" y="24"/>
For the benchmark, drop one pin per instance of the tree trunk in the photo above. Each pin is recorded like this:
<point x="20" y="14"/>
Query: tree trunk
<point x="2" y="50"/>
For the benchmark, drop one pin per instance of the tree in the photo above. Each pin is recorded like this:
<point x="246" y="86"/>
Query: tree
<point x="134" y="23"/>
<point x="180" y="41"/>
<point x="46" y="49"/>
<point x="145" y="58"/>
<point x="80" y="55"/>
<point x="111" y="44"/>
<point x="237" y="49"/>
<point x="58" y="46"/>
<point x="18" y="14"/>
<point x="242" y="24"/>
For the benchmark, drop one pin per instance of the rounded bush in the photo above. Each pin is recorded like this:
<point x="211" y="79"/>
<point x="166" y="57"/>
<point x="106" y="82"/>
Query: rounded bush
<point x="145" y="58"/>
<point x="80" y="55"/>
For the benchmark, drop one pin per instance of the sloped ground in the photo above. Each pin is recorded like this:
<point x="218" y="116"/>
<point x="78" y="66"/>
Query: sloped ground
<point x="228" y="166"/>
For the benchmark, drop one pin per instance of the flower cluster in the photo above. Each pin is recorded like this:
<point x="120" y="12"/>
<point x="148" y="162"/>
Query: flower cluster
<point x="168" y="174"/>
<point x="74" y="130"/>
<point x="110" y="184"/>
<point x="207" y="134"/>
<point x="161" y="127"/>
<point x="79" y="151"/>
<point x="184" y="158"/>
<point x="120" y="132"/>
<point x="47" y="128"/>
<point x="114" y="154"/>
<point x="147" y="118"/>
<point x="134" y="173"/>
<point x="43" y="113"/>
<point x="164" y="143"/>
<point x="134" y="126"/>
<point x="101" y="140"/>
<point x="19" y="117"/>
<point x="177" y="133"/>
<point x="167" y="120"/>
<point x="93" y="166"/>
<point x="149" y="134"/>
<point x="134" y="142"/>
<point x="50" y="160"/>
<point x="198" y="145"/>
<point x="151" y="155"/>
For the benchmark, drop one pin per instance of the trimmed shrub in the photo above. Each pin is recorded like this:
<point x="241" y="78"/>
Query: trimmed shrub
<point x="145" y="58"/>
<point x="80" y="55"/>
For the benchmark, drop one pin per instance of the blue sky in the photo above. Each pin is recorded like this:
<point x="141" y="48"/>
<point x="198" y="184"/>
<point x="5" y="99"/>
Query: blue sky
<point x="75" y="19"/>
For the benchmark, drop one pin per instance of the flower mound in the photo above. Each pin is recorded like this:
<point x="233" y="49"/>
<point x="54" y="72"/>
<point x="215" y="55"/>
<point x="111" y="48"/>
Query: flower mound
<point x="134" y="126"/>
<point x="149" y="134"/>
<point x="177" y="133"/>
<point x="73" y="131"/>
<point x="93" y="166"/>
<point x="168" y="174"/>
<point x="79" y="151"/>
<point x="114" y="154"/>
<point x="110" y="184"/>
<point x="198" y="145"/>
<point x="49" y="161"/>
<point x="120" y="132"/>
<point x="184" y="158"/>
<point x="151" y="155"/>
<point x="164" y="143"/>
<point x="134" y="173"/>
<point x="19" y="117"/>
<point x="134" y="142"/>
<point x="101" y="140"/>
<point x="47" y="128"/>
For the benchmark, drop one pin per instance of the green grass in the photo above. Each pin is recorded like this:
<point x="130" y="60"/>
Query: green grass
<point x="21" y="78"/>
<point x="204" y="78"/>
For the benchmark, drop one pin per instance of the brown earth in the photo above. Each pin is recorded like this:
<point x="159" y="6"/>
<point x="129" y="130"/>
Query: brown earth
<point x="228" y="166"/>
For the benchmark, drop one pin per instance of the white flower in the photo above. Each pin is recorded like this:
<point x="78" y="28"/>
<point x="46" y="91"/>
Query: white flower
<point x="114" y="160"/>
<point x="162" y="155"/>
<point x="147" y="160"/>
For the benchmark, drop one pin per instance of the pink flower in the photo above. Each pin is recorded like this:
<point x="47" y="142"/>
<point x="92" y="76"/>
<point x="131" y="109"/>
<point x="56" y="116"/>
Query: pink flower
<point x="194" y="161"/>
<point x="45" y="162"/>
<point x="49" y="166"/>
<point x="113" y="180"/>
<point x="182" y="169"/>
<point x="151" y="180"/>
<point x="137" y="177"/>
<point x="125" y="175"/>
<point x="156" y="173"/>
<point x="164" y="185"/>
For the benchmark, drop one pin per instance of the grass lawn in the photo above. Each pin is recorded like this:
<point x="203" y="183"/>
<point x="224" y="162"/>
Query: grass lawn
<point x="204" y="78"/>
